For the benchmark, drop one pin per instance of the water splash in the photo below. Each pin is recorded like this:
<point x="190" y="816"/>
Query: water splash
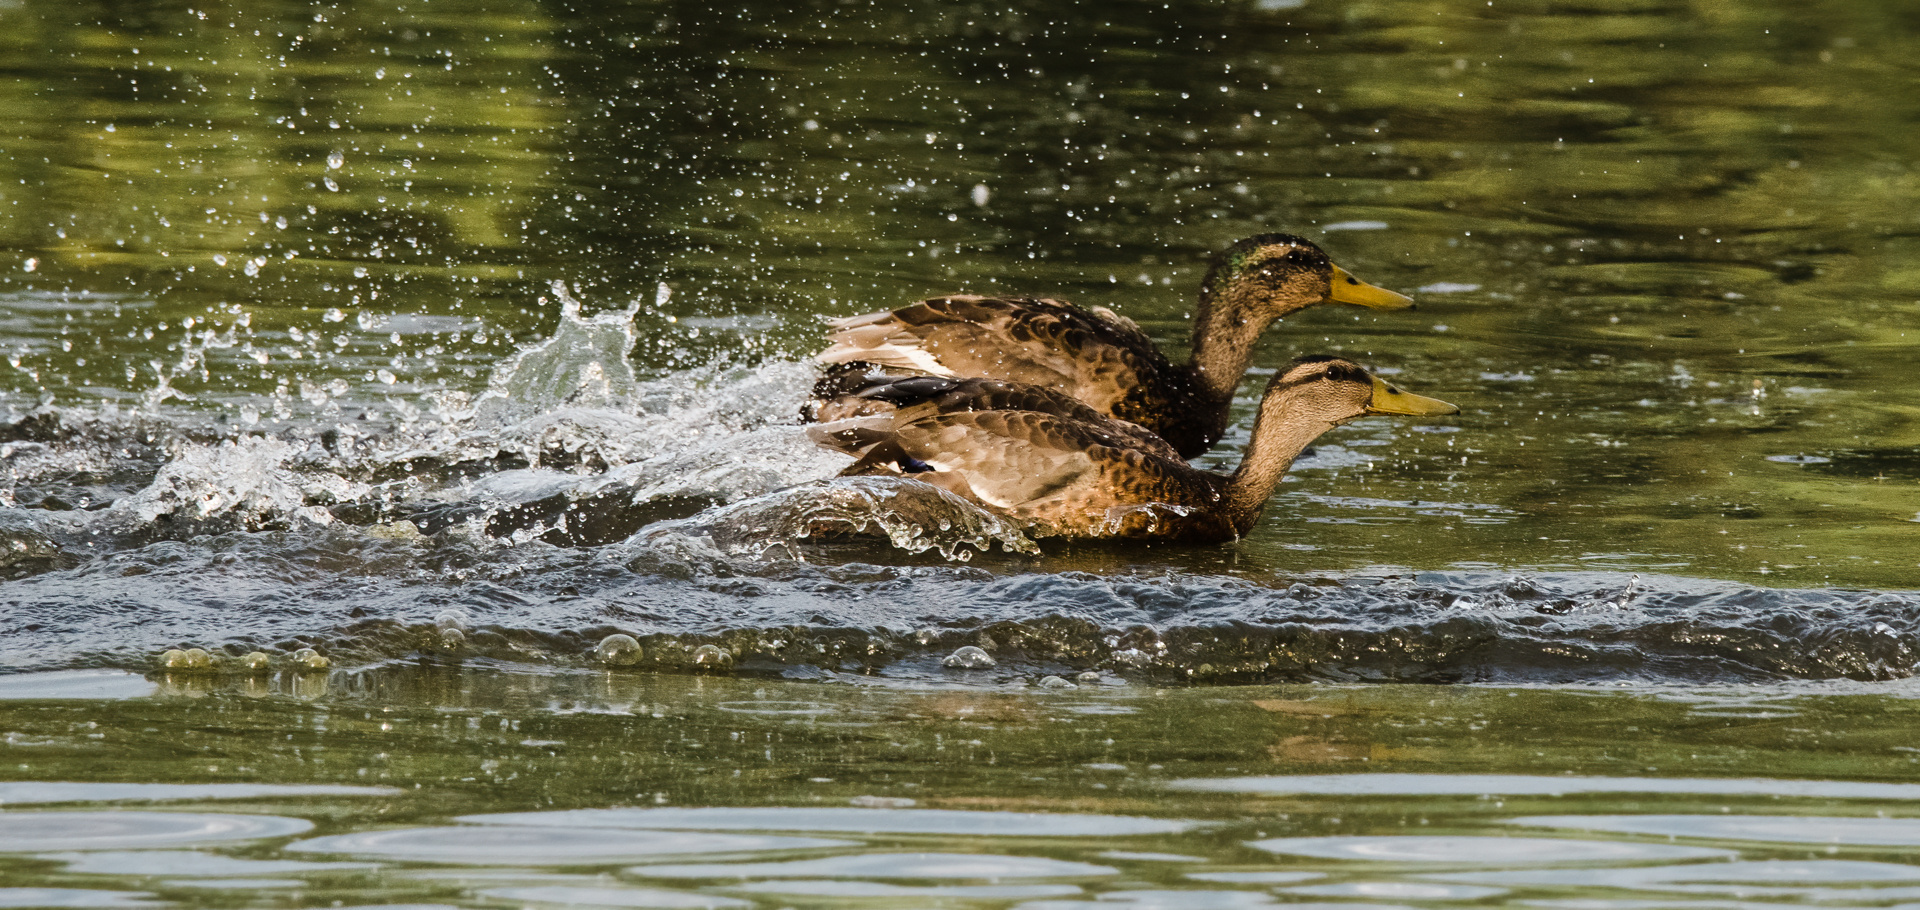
<point x="245" y="481"/>
<point x="583" y="364"/>
<point x="913" y="516"/>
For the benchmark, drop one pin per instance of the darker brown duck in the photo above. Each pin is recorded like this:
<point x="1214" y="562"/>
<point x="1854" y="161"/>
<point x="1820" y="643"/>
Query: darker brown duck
<point x="1101" y="359"/>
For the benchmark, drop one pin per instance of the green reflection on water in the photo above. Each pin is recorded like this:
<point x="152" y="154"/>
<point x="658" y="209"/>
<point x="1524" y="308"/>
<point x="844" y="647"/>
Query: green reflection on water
<point x="1633" y="213"/>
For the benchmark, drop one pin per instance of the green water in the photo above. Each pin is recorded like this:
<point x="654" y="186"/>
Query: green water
<point x="1656" y="206"/>
<point x="1664" y="254"/>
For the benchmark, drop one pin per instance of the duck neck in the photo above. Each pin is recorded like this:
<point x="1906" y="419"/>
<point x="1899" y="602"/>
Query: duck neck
<point x="1279" y="436"/>
<point x="1225" y="326"/>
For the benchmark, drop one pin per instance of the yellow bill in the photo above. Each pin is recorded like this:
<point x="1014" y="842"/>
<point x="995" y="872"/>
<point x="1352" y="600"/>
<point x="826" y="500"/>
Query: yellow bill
<point x="1390" y="400"/>
<point x="1348" y="289"/>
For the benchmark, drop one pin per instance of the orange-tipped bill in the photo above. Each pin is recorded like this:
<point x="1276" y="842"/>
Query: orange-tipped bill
<point x="1390" y="400"/>
<point x="1348" y="289"/>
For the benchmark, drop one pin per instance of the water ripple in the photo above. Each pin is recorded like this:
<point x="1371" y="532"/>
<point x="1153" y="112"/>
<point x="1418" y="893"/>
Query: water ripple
<point x="1478" y="851"/>
<point x="887" y="865"/>
<point x="1791" y="829"/>
<point x="848" y="820"/>
<point x="46" y="831"/>
<point x="484" y="845"/>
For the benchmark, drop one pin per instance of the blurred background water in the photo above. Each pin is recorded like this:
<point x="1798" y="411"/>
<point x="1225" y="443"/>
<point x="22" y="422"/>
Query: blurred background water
<point x="450" y="338"/>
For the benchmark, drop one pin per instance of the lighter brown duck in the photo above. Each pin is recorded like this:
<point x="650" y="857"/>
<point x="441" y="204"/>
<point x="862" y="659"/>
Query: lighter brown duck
<point x="1077" y="478"/>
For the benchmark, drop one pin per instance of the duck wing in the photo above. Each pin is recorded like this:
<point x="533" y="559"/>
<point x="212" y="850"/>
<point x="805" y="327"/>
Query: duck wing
<point x="1062" y="476"/>
<point x="842" y="397"/>
<point x="1047" y="343"/>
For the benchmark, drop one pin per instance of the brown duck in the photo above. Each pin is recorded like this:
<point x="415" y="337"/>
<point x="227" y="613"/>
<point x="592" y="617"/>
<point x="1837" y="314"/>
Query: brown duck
<point x="1077" y="478"/>
<point x="1102" y="359"/>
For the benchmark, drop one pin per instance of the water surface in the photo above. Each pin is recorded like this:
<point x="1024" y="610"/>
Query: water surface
<point x="461" y="345"/>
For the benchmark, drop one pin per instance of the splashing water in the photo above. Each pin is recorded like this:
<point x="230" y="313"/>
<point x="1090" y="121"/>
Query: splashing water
<point x="913" y="516"/>
<point x="574" y="498"/>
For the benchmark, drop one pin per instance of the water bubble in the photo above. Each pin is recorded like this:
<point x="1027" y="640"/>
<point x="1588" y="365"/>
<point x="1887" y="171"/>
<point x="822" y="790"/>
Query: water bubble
<point x="453" y="619"/>
<point x="1088" y="678"/>
<point x="712" y="657"/>
<point x="189" y="659"/>
<point x="981" y="194"/>
<point x="969" y="658"/>
<point x="255" y="661"/>
<point x="335" y="160"/>
<point x="618" y="649"/>
<point x="309" y="659"/>
<point x="1055" y="682"/>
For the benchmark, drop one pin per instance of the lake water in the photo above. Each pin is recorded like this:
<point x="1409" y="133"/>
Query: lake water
<point x="453" y="341"/>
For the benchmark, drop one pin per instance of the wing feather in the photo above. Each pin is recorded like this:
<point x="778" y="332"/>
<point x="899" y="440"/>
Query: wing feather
<point x="1043" y="342"/>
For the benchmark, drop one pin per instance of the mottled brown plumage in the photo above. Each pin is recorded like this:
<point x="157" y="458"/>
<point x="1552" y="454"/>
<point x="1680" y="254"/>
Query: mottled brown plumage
<point x="858" y="393"/>
<point x="1070" y="477"/>
<point x="1105" y="360"/>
